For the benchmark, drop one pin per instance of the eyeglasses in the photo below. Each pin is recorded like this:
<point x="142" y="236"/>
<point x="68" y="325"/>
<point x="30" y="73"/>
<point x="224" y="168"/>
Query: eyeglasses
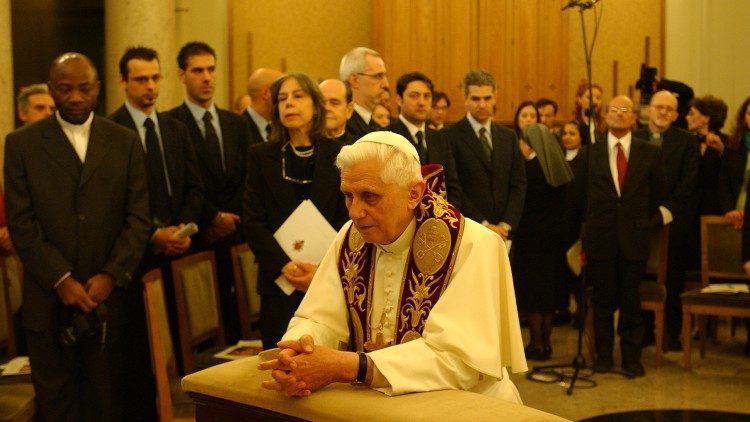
<point x="620" y="109"/>
<point x="283" y="169"/>
<point x="377" y="76"/>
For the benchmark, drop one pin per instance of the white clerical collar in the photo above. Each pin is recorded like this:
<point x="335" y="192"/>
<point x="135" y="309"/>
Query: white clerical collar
<point x="476" y="125"/>
<point x="404" y="241"/>
<point x="411" y="127"/>
<point x="364" y="113"/>
<point x="570" y="154"/>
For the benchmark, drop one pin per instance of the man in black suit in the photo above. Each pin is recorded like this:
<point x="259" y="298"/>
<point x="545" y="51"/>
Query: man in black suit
<point x="489" y="163"/>
<point x="364" y="71"/>
<point x="619" y="184"/>
<point x="77" y="205"/>
<point x="176" y="198"/>
<point x="414" y="95"/>
<point x="339" y="108"/>
<point x="681" y="159"/>
<point x="258" y="115"/>
<point x="221" y="141"/>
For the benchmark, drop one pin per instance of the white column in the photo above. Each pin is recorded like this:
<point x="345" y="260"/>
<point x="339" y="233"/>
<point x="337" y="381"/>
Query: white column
<point x="148" y="23"/>
<point x="7" y="95"/>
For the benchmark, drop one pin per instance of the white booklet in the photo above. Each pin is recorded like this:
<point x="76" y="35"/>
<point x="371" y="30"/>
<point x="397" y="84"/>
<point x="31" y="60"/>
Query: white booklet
<point x="726" y="288"/>
<point x="17" y="366"/>
<point x="304" y="236"/>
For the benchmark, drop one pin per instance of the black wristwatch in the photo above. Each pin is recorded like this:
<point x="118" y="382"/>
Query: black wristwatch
<point x="362" y="370"/>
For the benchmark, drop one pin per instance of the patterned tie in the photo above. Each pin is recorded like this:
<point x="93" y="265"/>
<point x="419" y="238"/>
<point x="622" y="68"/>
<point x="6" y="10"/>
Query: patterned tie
<point x="158" y="191"/>
<point x="485" y="141"/>
<point x="622" y="166"/>
<point x="212" y="143"/>
<point x="421" y="148"/>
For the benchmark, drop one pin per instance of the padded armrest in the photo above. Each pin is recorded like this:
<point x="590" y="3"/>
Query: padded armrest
<point x="239" y="381"/>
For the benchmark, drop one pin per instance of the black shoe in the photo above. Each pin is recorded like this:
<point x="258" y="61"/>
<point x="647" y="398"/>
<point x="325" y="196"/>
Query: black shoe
<point x="602" y="366"/>
<point x="536" y="354"/>
<point x="633" y="369"/>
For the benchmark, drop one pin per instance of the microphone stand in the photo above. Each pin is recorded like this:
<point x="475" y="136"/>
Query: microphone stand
<point x="555" y="373"/>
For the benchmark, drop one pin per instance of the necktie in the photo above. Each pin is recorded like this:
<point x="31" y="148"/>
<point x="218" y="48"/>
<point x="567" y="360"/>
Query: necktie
<point x="622" y="166"/>
<point x="158" y="191"/>
<point x="268" y="129"/>
<point x="212" y="143"/>
<point x="485" y="141"/>
<point x="421" y="148"/>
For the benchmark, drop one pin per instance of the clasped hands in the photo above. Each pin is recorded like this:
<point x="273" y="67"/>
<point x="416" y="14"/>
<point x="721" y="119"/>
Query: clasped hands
<point x="223" y="225"/>
<point x="302" y="367"/>
<point x="88" y="297"/>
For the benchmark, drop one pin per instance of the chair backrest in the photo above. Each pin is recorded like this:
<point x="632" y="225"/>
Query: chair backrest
<point x="196" y="292"/>
<point x="656" y="266"/>
<point x="245" y="270"/>
<point x="11" y="272"/>
<point x="721" y="250"/>
<point x="160" y="340"/>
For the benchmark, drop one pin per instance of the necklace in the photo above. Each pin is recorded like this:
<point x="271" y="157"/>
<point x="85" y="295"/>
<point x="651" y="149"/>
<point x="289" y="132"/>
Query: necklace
<point x="302" y="154"/>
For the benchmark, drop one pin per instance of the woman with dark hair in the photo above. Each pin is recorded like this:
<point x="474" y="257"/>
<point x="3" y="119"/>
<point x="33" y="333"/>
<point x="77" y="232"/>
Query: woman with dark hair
<point x="539" y="243"/>
<point x="526" y="114"/>
<point x="706" y="118"/>
<point x="297" y="164"/>
<point x="581" y="112"/>
<point x="572" y="141"/>
<point x="733" y="176"/>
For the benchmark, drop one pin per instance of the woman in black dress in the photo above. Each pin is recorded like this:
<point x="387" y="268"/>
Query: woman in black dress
<point x="297" y="164"/>
<point x="539" y="243"/>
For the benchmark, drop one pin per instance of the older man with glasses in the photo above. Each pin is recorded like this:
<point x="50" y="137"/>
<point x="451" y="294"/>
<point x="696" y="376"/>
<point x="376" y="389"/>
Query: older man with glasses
<point x="618" y="190"/>
<point x="363" y="69"/>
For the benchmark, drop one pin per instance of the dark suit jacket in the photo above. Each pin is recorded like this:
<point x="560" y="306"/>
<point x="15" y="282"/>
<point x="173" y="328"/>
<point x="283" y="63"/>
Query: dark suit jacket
<point x="357" y="127"/>
<point x="222" y="191"/>
<point x="65" y="216"/>
<point x="186" y="201"/>
<point x="493" y="189"/>
<point x="681" y="158"/>
<point x="269" y="200"/>
<point x="253" y="132"/>
<point x="345" y="139"/>
<point x="619" y="224"/>
<point x="731" y="176"/>
<point x="438" y="152"/>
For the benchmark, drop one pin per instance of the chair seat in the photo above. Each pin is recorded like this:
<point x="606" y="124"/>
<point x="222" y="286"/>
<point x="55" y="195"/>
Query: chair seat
<point x="205" y="359"/>
<point x="735" y="300"/>
<point x="652" y="291"/>
<point x="16" y="401"/>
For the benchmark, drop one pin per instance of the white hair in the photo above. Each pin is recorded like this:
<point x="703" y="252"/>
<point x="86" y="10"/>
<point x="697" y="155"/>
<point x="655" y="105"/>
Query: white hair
<point x="355" y="61"/>
<point x="396" y="166"/>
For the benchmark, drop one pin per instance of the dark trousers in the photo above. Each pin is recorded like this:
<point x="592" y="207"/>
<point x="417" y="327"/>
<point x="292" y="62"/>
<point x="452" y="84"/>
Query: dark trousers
<point x="275" y="313"/>
<point x="79" y="382"/>
<point x="615" y="285"/>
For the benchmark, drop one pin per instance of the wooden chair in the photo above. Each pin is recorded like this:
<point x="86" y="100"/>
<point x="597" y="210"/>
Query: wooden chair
<point x="653" y="289"/>
<point x="245" y="270"/>
<point x="11" y="271"/>
<point x="198" y="307"/>
<point x="721" y="246"/>
<point x="160" y="340"/>
<point x="17" y="395"/>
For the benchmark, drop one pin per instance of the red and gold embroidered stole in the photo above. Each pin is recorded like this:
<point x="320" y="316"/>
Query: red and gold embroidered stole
<point x="439" y="227"/>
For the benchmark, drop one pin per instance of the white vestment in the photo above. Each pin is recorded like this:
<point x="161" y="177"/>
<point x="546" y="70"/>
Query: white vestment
<point x="470" y="336"/>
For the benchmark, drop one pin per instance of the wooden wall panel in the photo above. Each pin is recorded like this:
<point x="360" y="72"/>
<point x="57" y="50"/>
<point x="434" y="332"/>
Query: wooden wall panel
<point x="525" y="48"/>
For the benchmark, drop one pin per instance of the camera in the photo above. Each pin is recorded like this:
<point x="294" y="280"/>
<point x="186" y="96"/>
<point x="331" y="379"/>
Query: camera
<point x="84" y="325"/>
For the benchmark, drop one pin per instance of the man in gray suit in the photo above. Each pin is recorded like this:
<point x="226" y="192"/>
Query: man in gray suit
<point x="78" y="215"/>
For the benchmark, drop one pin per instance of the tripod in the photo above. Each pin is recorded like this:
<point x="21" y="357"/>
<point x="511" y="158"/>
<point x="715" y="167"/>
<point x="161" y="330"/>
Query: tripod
<point x="555" y="373"/>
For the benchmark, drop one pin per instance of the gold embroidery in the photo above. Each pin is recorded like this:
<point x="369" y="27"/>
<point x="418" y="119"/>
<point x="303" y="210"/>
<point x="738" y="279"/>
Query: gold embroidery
<point x="417" y="305"/>
<point x="354" y="284"/>
<point x="432" y="244"/>
<point x="356" y="242"/>
<point x="410" y="335"/>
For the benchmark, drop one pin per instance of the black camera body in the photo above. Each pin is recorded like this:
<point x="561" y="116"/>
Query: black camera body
<point x="84" y="325"/>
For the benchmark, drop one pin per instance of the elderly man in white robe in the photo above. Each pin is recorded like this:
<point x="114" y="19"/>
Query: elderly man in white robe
<point x="411" y="297"/>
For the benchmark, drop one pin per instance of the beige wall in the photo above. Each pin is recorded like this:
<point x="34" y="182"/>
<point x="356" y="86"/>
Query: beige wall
<point x="303" y="36"/>
<point x="206" y="21"/>
<point x="622" y="34"/>
<point x="706" y="44"/>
